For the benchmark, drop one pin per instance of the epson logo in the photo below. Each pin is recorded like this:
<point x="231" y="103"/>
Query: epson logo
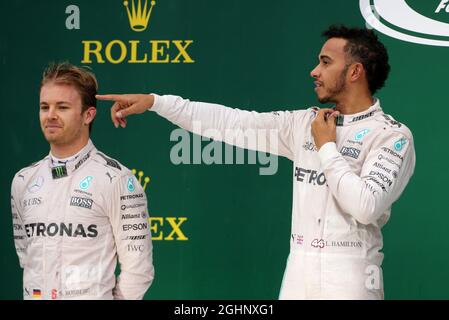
<point x="310" y="176"/>
<point x="81" y="202"/>
<point x="134" y="227"/>
<point x="382" y="177"/>
<point x="405" y="23"/>
<point x="40" y="229"/>
<point x="131" y="196"/>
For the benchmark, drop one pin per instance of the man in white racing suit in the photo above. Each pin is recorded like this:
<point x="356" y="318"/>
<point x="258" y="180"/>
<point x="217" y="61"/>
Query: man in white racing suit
<point x="350" y="164"/>
<point x="77" y="211"/>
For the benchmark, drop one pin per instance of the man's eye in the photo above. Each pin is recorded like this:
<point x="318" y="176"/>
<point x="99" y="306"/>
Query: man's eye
<point x="44" y="108"/>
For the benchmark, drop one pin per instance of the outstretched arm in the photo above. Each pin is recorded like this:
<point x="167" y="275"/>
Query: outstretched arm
<point x="271" y="132"/>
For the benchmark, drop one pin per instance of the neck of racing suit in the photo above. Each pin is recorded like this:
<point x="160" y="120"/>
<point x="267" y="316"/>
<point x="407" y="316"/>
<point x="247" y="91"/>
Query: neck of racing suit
<point x="343" y="120"/>
<point x="64" y="167"/>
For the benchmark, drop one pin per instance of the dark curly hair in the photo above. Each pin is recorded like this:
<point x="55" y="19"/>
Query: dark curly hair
<point x="363" y="46"/>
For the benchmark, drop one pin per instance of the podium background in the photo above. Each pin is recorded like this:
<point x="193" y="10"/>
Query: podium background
<point x="249" y="54"/>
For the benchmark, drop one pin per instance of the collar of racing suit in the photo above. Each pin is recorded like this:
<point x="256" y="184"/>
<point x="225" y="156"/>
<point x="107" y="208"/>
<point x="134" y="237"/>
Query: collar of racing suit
<point x="72" y="163"/>
<point x="343" y="120"/>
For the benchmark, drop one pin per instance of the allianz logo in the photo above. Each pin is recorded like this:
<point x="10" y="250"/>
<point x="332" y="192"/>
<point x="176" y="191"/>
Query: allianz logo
<point x="397" y="19"/>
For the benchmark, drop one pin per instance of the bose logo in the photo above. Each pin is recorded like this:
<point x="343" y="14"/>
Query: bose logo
<point x="401" y="16"/>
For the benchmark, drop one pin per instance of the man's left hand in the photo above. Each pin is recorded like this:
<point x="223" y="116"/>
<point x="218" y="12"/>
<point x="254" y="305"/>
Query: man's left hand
<point x="324" y="127"/>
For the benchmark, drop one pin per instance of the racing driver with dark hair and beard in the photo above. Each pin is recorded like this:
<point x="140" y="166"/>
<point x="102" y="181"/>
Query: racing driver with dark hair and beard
<point x="350" y="164"/>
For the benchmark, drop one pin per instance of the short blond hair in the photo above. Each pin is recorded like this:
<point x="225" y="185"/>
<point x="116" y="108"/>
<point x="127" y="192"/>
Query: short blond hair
<point x="81" y="78"/>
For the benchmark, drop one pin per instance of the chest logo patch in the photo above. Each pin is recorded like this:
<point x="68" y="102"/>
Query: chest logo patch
<point x="350" y="152"/>
<point x="85" y="183"/>
<point x="36" y="184"/>
<point x="399" y="144"/>
<point x="130" y="184"/>
<point x="359" y="135"/>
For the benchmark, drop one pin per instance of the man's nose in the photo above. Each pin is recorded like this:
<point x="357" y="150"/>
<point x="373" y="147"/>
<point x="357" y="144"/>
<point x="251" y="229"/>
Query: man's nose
<point x="314" y="72"/>
<point x="52" y="113"/>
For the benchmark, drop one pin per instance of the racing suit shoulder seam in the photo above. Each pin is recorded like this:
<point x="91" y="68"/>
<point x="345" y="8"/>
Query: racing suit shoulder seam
<point x="390" y="121"/>
<point x="111" y="163"/>
<point x="19" y="184"/>
<point x="403" y="130"/>
<point x="34" y="165"/>
<point x="389" y="134"/>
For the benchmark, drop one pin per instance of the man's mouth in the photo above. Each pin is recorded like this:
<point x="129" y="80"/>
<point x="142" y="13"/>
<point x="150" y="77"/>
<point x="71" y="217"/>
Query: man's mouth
<point x="318" y="85"/>
<point x="52" y="126"/>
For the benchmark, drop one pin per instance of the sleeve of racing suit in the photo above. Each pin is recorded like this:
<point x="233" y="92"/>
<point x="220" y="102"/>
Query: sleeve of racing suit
<point x="129" y="219"/>
<point x="274" y="130"/>
<point x="20" y="239"/>
<point x="384" y="175"/>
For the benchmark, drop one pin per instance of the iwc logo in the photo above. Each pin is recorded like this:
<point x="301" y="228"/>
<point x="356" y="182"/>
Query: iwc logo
<point x="400" y="19"/>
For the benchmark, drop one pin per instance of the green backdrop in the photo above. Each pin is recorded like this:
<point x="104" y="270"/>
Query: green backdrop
<point x="248" y="54"/>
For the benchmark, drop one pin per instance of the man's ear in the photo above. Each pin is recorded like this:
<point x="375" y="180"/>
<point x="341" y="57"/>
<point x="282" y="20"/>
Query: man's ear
<point x="89" y="115"/>
<point x="357" y="71"/>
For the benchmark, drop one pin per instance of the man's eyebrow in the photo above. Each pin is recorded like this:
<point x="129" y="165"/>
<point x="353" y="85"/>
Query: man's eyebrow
<point x="323" y="56"/>
<point x="58" y="103"/>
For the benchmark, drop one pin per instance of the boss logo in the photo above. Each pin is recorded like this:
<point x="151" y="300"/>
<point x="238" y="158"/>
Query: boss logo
<point x="350" y="152"/>
<point x="81" y="202"/>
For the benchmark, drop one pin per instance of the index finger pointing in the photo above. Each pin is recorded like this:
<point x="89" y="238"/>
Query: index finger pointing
<point x="109" y="97"/>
